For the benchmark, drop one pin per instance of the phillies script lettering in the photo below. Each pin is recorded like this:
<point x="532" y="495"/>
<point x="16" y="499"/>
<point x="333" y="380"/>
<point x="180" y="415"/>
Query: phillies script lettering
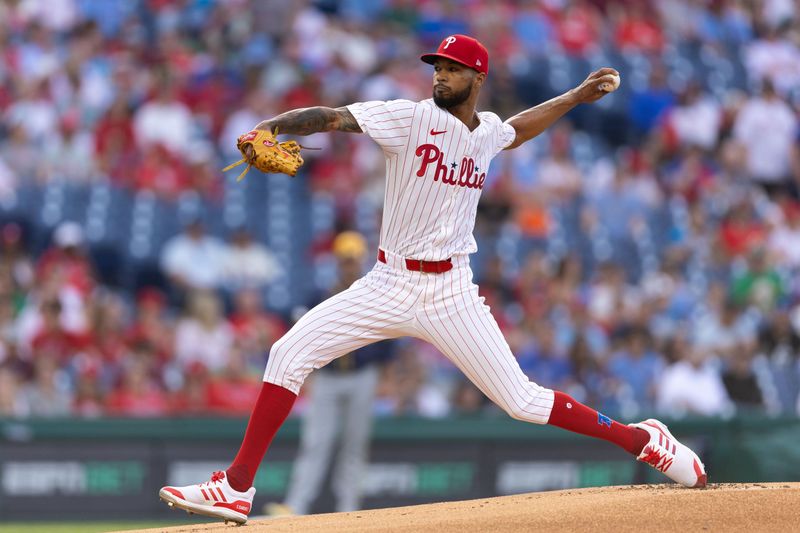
<point x="467" y="177"/>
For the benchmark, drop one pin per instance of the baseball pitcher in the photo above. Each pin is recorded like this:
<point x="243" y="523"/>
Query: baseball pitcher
<point x="437" y="156"/>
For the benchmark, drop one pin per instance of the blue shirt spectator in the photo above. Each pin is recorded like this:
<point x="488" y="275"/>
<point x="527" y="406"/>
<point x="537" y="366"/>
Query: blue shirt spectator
<point x="638" y="367"/>
<point x="647" y="107"/>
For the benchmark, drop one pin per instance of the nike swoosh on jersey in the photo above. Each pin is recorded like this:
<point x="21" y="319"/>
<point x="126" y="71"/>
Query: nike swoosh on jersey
<point x="437" y="132"/>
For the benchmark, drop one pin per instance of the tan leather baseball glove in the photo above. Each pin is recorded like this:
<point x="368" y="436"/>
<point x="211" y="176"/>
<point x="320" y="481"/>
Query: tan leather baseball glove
<point x="267" y="154"/>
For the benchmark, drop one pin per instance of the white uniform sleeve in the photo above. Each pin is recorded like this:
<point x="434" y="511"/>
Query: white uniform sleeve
<point x="388" y="123"/>
<point x="500" y="134"/>
<point x="505" y="136"/>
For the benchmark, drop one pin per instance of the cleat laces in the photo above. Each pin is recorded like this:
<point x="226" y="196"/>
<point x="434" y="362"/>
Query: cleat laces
<point x="217" y="476"/>
<point x="659" y="460"/>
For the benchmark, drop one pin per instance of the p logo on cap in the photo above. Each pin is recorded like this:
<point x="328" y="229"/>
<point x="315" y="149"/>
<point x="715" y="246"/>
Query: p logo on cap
<point x="462" y="49"/>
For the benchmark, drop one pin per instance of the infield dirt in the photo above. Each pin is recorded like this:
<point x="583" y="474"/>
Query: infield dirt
<point x="652" y="508"/>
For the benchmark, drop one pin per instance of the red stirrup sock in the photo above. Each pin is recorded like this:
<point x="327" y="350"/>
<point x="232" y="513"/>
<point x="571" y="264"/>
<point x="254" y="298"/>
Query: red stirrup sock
<point x="573" y="416"/>
<point x="272" y="407"/>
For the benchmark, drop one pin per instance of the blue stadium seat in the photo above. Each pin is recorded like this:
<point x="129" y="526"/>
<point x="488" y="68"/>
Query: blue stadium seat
<point x="75" y="202"/>
<point x="109" y="264"/>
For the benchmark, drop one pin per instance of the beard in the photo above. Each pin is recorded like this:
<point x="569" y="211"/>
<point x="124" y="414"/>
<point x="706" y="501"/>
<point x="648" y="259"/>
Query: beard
<point x="453" y="99"/>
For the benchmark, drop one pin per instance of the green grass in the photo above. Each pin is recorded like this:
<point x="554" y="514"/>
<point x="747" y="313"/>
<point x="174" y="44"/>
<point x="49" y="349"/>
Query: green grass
<point x="85" y="527"/>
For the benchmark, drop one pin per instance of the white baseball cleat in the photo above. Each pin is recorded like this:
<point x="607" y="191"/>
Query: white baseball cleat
<point x="667" y="455"/>
<point x="213" y="498"/>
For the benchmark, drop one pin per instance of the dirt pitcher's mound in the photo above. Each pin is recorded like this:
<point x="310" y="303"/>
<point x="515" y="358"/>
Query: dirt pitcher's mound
<point x="651" y="508"/>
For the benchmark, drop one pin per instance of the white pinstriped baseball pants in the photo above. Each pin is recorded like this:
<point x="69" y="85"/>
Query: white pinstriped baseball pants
<point x="390" y="302"/>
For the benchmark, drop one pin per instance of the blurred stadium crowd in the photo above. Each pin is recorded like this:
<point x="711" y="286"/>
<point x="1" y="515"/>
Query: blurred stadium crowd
<point x="642" y="255"/>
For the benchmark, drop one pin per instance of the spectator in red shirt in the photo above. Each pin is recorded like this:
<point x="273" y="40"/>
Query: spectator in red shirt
<point x="52" y="340"/>
<point x="192" y="398"/>
<point x="255" y="329"/>
<point x="233" y="392"/>
<point x="638" y="29"/>
<point x="115" y="144"/>
<point x="107" y="327"/>
<point x="694" y="175"/>
<point x="138" y="394"/>
<point x="579" y="28"/>
<point x="160" y="172"/>
<point x="532" y="288"/>
<point x="202" y="172"/>
<point x="336" y="174"/>
<point x="740" y="230"/>
<point x="152" y="325"/>
<point x="88" y="401"/>
<point x="68" y="259"/>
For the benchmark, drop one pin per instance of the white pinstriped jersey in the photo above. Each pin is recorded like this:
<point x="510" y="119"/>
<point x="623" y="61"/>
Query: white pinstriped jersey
<point x="435" y="171"/>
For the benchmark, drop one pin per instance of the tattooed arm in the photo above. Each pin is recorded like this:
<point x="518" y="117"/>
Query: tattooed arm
<point x="310" y="120"/>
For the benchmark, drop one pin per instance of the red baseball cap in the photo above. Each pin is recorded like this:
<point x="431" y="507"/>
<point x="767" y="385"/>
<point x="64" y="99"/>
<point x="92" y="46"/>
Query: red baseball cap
<point x="462" y="49"/>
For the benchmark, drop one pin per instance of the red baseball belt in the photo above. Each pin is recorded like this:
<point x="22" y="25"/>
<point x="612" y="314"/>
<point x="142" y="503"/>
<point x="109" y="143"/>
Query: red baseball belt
<point x="418" y="265"/>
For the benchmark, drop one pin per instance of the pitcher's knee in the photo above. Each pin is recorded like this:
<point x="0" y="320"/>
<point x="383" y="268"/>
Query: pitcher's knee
<point x="534" y="408"/>
<point x="285" y="366"/>
<point x="278" y="353"/>
<point x="521" y="412"/>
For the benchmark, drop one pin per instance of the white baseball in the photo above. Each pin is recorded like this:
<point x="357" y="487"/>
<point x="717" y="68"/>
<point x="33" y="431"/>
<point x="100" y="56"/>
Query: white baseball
<point x="611" y="86"/>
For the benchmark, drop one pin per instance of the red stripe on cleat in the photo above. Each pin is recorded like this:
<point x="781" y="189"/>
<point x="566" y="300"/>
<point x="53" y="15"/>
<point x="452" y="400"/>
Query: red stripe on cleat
<point x="174" y="492"/>
<point x="701" y="476"/>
